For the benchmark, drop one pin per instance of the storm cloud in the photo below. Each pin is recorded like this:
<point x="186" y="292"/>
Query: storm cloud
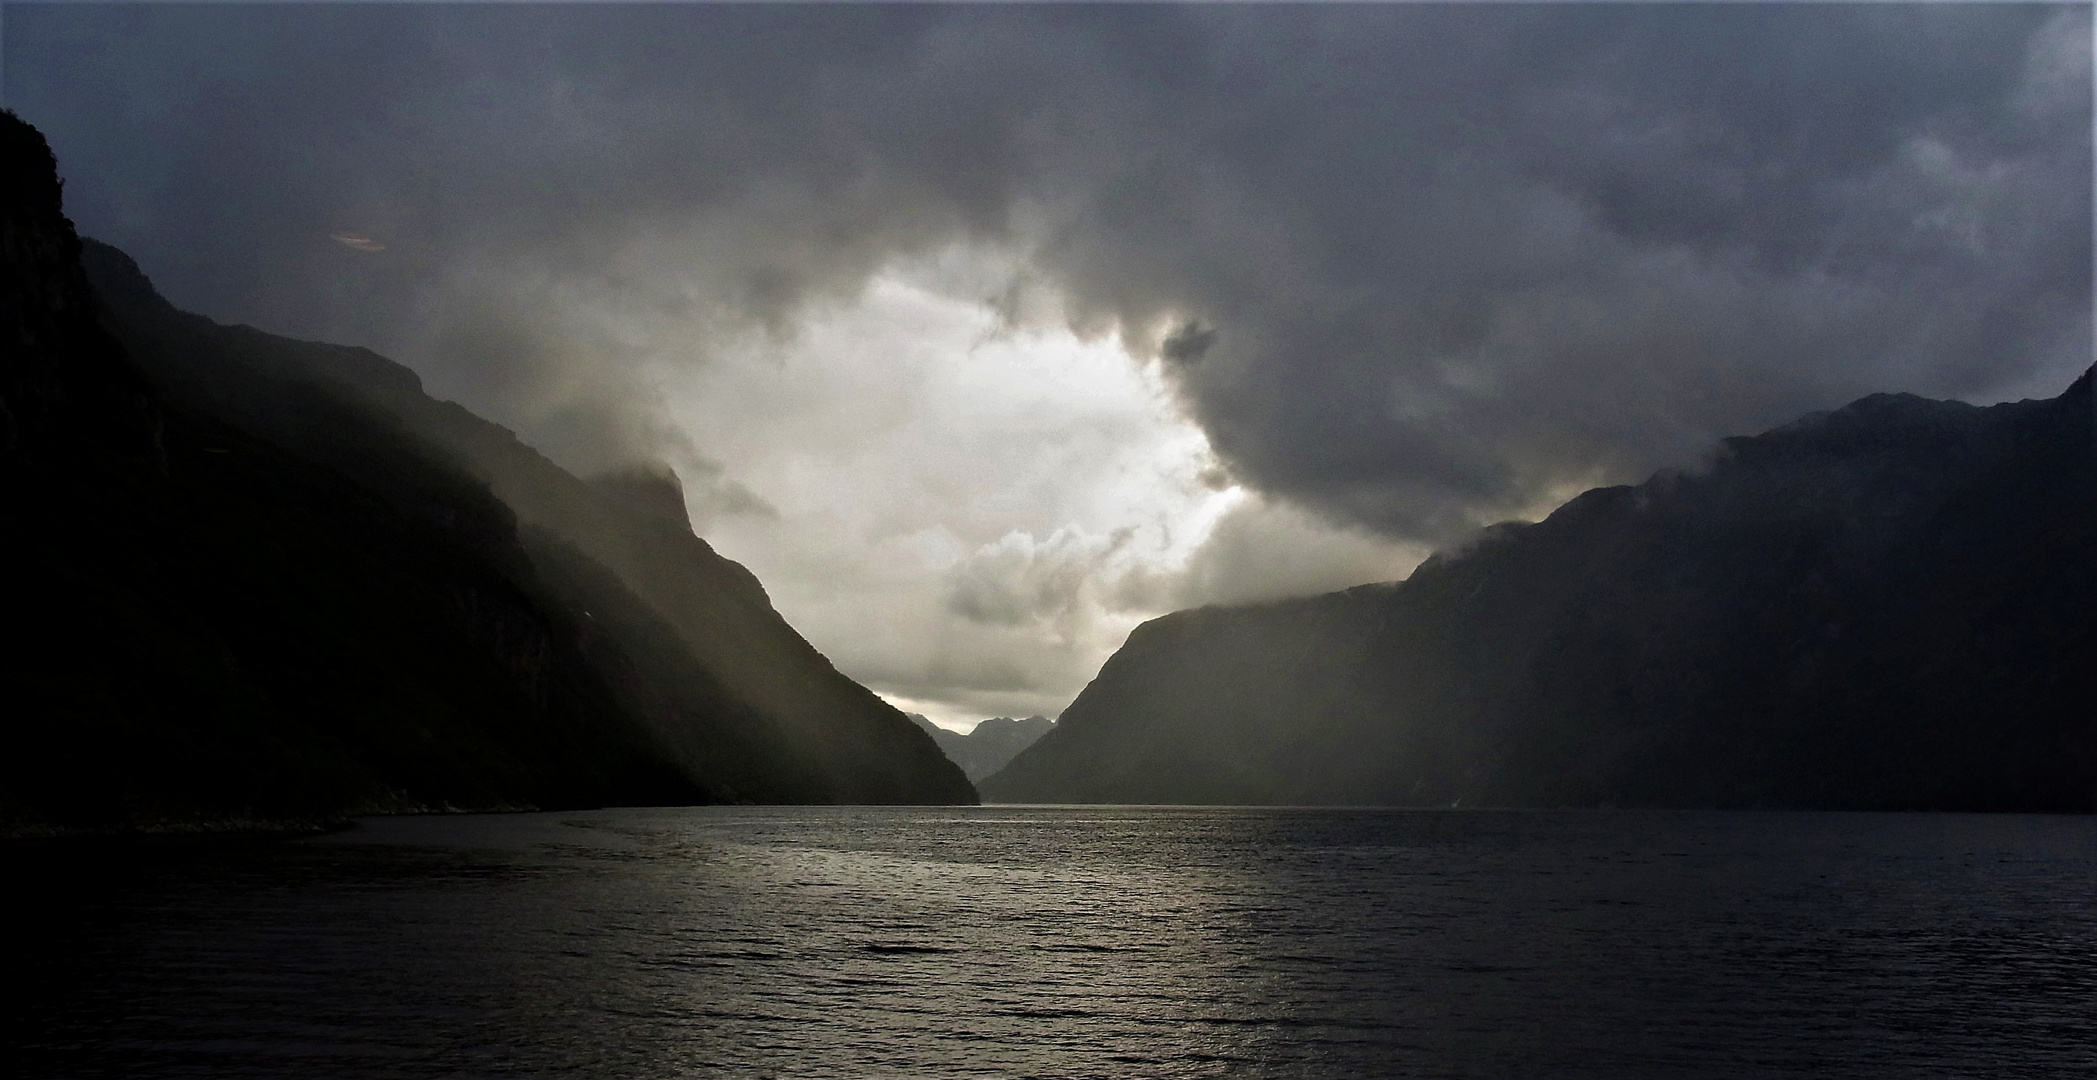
<point x="1408" y="269"/>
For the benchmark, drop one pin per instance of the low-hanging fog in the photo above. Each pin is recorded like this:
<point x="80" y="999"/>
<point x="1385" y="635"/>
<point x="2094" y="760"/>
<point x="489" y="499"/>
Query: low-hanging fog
<point x="982" y="333"/>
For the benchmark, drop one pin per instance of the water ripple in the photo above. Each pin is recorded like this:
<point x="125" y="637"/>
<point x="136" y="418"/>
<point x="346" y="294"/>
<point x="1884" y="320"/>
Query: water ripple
<point x="1071" y="942"/>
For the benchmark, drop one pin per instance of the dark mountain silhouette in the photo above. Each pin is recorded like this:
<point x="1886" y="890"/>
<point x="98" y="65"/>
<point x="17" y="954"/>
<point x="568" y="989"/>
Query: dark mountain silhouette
<point x="1889" y="606"/>
<point x="989" y="745"/>
<point x="848" y="744"/>
<point x="259" y="579"/>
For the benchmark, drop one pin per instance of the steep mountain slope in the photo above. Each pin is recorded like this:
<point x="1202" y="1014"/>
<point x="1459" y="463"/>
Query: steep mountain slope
<point x="211" y="628"/>
<point x="251" y="595"/>
<point x="1887" y="606"/>
<point x="842" y="742"/>
<point x="989" y="745"/>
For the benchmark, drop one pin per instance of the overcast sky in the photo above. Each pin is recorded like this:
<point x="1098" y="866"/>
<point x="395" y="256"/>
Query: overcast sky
<point x="983" y="333"/>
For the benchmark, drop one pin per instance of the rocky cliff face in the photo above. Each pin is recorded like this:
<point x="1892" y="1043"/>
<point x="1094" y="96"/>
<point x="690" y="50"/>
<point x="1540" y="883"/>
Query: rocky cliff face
<point x="1888" y="606"/>
<point x="253" y="596"/>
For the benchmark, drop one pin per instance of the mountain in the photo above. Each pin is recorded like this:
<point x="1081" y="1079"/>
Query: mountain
<point x="848" y="744"/>
<point x="987" y="746"/>
<point x="1889" y="606"/>
<point x="248" y="589"/>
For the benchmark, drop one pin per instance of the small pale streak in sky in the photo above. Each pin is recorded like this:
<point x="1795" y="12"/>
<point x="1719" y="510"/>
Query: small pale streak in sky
<point x="361" y="243"/>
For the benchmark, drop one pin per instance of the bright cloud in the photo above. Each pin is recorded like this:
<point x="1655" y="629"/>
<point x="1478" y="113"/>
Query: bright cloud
<point x="969" y="515"/>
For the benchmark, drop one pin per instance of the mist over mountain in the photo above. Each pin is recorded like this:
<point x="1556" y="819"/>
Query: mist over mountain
<point x="989" y="745"/>
<point x="1888" y="606"/>
<point x="853" y="746"/>
<point x="266" y="579"/>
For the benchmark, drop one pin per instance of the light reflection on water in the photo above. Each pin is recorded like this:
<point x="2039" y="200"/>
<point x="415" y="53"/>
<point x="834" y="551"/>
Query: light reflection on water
<point x="1056" y="942"/>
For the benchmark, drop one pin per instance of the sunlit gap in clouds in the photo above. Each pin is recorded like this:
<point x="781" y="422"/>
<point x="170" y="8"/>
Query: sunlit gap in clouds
<point x="972" y="509"/>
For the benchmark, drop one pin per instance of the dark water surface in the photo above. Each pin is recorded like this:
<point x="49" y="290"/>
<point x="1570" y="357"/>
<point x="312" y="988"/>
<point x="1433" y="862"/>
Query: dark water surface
<point x="1064" y="942"/>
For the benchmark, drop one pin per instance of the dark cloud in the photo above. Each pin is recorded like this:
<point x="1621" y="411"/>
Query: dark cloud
<point x="1466" y="255"/>
<point x="1413" y="267"/>
<point x="1188" y="344"/>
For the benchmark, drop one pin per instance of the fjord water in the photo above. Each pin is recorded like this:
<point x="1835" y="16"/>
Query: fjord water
<point x="1070" y="942"/>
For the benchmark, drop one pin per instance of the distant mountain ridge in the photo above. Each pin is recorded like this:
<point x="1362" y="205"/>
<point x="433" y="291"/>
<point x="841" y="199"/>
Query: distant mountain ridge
<point x="1889" y="606"/>
<point x="989" y="745"/>
<point x="271" y="580"/>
